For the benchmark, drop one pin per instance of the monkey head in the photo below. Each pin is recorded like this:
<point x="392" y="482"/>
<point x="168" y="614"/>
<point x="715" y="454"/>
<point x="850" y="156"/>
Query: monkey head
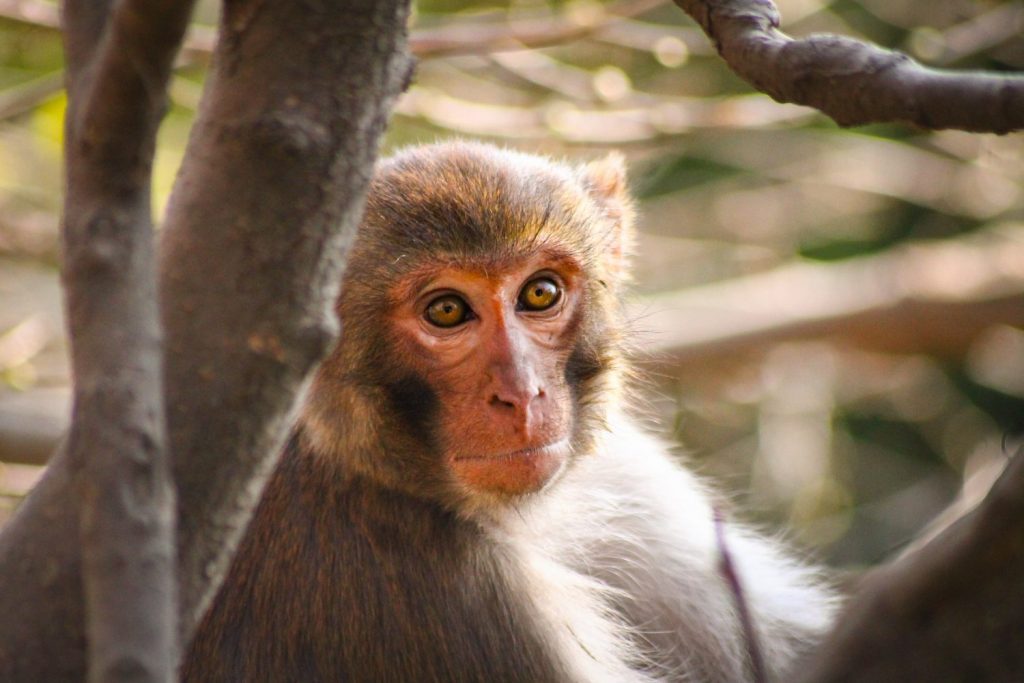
<point x="480" y="333"/>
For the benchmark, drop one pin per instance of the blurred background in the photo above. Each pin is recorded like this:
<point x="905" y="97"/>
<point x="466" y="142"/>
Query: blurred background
<point x="829" y="323"/>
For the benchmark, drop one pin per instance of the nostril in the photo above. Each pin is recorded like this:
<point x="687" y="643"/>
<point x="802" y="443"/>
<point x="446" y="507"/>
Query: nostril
<point x="499" y="402"/>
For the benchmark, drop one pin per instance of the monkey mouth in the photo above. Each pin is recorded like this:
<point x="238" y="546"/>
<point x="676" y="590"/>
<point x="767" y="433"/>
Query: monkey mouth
<point x="560" y="444"/>
<point x="511" y="473"/>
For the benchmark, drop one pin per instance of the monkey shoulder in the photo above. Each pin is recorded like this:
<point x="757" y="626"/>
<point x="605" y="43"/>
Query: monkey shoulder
<point x="635" y="519"/>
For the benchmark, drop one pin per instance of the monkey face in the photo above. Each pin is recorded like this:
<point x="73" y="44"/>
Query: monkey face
<point x="494" y="346"/>
<point x="479" y="324"/>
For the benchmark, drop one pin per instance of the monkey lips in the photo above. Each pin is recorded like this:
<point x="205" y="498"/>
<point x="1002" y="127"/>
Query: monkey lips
<point x="511" y="473"/>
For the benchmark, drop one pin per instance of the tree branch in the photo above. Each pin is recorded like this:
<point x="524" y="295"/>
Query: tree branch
<point x="272" y="191"/>
<point x="25" y="97"/>
<point x="198" y="42"/>
<point x="30" y="436"/>
<point x="952" y="611"/>
<point x="927" y="298"/>
<point x="851" y="81"/>
<point x="118" y="68"/>
<point x="518" y="30"/>
<point x="646" y="121"/>
<point x="474" y="37"/>
<point x="82" y="25"/>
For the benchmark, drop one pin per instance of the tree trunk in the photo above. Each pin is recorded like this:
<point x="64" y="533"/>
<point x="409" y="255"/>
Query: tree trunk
<point x="251" y="257"/>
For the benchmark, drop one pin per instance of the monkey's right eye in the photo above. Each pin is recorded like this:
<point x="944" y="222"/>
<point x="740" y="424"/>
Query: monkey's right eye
<point x="447" y="311"/>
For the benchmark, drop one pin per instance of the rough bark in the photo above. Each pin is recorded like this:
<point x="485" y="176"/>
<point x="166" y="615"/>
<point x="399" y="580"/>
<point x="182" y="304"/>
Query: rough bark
<point x="252" y="252"/>
<point x="119" y="63"/>
<point x="851" y="81"/>
<point x="269" y="195"/>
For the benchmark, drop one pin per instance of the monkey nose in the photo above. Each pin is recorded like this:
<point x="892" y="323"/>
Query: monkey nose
<point x="518" y="405"/>
<point x="515" y="399"/>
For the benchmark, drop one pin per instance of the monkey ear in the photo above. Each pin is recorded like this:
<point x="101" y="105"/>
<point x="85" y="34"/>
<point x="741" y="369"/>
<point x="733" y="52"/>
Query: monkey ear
<point x="605" y="180"/>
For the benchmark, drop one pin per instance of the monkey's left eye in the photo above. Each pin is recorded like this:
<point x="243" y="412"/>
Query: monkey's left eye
<point x="447" y="311"/>
<point x="540" y="294"/>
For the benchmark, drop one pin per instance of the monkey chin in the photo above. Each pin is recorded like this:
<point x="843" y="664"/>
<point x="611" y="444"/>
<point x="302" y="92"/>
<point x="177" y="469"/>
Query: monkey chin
<point x="513" y="473"/>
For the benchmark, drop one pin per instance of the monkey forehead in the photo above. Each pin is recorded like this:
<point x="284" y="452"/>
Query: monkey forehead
<point x="474" y="199"/>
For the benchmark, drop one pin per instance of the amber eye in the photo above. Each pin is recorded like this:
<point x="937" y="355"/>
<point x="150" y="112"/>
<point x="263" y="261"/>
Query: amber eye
<point x="447" y="311"/>
<point x="539" y="294"/>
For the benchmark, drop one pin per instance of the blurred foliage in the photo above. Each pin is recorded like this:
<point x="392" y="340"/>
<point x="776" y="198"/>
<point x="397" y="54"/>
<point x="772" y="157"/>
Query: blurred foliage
<point x="856" y="450"/>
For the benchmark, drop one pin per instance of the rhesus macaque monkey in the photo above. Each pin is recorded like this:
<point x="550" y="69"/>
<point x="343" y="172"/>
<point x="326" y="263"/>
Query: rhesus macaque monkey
<point x="464" y="497"/>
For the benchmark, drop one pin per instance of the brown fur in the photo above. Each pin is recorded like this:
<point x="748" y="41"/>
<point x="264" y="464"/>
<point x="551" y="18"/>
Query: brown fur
<point x="339" y="579"/>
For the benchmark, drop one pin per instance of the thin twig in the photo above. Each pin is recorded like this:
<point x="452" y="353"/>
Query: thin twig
<point x="25" y="97"/>
<point x="518" y="32"/>
<point x="459" y="37"/>
<point x="728" y="571"/>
